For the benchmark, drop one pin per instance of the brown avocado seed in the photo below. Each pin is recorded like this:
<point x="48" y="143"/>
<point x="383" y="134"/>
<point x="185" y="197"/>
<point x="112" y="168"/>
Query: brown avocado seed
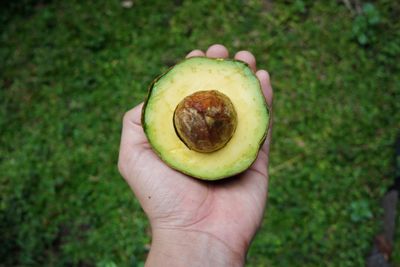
<point x="205" y="120"/>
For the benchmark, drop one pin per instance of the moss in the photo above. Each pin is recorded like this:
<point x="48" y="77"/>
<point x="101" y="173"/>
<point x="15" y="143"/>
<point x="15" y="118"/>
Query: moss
<point x="71" y="68"/>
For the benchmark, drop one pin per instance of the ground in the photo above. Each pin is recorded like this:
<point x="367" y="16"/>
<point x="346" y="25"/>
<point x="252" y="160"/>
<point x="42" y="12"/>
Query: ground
<point x="70" y="69"/>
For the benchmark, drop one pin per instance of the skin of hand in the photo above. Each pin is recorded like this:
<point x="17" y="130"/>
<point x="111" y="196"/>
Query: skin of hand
<point x="194" y="222"/>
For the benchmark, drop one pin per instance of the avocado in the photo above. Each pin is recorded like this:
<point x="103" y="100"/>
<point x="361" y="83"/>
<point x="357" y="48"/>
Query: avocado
<point x="206" y="117"/>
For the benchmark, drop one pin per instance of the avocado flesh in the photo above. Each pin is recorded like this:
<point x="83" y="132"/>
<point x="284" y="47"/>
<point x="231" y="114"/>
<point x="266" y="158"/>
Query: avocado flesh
<point x="234" y="79"/>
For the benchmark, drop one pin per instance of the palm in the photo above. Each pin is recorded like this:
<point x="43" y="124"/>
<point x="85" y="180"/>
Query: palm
<point x="173" y="200"/>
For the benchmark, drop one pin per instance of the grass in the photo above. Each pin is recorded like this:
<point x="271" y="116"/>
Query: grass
<point x="70" y="69"/>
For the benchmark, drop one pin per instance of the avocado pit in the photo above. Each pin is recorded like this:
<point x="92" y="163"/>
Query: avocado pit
<point x="205" y="120"/>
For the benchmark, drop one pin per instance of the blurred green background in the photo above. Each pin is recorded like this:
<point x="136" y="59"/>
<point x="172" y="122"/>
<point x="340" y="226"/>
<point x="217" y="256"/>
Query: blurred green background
<point x="70" y="69"/>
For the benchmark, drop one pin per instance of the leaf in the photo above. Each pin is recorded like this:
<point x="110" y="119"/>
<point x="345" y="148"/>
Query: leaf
<point x="362" y="39"/>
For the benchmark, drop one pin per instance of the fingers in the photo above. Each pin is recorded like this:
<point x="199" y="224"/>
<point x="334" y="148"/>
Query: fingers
<point x="267" y="142"/>
<point x="196" y="53"/>
<point x="214" y="51"/>
<point x="266" y="87"/>
<point x="247" y="57"/>
<point x="220" y="51"/>
<point x="263" y="77"/>
<point x="217" y="51"/>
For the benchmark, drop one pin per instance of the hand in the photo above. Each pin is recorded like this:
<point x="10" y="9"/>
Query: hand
<point x="194" y="222"/>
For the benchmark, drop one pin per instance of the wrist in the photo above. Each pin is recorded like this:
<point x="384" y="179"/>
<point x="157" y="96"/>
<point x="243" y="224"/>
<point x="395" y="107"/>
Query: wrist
<point x="171" y="247"/>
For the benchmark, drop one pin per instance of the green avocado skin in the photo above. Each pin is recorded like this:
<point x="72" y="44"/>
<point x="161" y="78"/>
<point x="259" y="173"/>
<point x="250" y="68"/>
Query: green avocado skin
<point x="192" y="173"/>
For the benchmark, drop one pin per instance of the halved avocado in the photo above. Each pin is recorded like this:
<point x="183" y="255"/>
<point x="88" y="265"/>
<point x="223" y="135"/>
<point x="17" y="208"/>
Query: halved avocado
<point x="181" y="86"/>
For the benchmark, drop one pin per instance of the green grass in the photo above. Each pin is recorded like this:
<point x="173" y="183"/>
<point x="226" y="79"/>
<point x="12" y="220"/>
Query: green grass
<point x="70" y="69"/>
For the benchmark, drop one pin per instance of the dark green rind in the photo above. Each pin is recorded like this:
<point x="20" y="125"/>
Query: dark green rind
<point x="144" y="126"/>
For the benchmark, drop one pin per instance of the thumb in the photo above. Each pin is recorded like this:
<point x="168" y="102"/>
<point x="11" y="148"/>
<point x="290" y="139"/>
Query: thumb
<point x="132" y="137"/>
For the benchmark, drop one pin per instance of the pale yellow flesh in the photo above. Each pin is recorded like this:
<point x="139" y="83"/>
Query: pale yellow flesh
<point x="232" y="78"/>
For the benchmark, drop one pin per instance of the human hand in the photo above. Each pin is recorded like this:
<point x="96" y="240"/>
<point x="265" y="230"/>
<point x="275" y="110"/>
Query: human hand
<point x="194" y="222"/>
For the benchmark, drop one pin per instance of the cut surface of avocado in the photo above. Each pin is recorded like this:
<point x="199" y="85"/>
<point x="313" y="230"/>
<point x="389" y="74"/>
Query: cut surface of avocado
<point x="231" y="78"/>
